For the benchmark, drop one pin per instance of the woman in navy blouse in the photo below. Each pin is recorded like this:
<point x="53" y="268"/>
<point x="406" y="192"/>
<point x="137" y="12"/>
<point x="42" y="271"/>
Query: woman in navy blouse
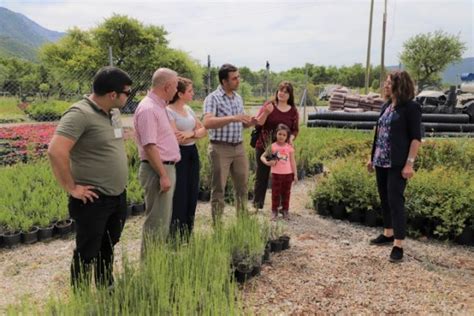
<point x="396" y="142"/>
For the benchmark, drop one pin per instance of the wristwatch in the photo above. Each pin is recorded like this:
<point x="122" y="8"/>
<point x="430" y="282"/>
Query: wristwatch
<point x="411" y="160"/>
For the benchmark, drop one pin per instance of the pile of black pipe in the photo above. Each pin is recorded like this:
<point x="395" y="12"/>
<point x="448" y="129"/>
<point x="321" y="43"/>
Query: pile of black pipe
<point x="433" y="124"/>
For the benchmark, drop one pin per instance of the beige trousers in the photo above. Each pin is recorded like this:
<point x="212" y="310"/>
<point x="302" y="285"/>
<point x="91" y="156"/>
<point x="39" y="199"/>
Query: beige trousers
<point x="159" y="205"/>
<point x="224" y="159"/>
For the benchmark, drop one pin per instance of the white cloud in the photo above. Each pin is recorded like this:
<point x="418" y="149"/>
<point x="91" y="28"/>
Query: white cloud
<point x="287" y="33"/>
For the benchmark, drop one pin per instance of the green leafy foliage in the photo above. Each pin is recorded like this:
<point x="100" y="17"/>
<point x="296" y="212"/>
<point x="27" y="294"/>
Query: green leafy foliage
<point x="47" y="110"/>
<point x="427" y="55"/>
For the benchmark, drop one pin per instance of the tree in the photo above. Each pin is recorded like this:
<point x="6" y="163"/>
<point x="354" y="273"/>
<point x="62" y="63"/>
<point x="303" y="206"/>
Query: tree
<point x="136" y="48"/>
<point x="71" y="62"/>
<point x="245" y="90"/>
<point x="249" y="76"/>
<point x="425" y="56"/>
<point x="18" y="76"/>
<point x="133" y="43"/>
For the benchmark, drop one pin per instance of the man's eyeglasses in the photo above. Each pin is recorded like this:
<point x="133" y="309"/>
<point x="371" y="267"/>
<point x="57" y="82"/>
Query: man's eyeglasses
<point x="127" y="93"/>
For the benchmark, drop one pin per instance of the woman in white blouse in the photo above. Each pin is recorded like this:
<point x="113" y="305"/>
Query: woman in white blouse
<point x="188" y="129"/>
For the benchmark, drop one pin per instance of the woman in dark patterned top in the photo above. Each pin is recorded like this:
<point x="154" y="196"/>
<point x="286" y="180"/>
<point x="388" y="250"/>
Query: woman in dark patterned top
<point x="281" y="110"/>
<point x="396" y="143"/>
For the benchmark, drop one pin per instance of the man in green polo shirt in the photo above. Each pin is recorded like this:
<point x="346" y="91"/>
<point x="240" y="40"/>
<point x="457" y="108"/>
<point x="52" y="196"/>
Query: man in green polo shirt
<point x="88" y="158"/>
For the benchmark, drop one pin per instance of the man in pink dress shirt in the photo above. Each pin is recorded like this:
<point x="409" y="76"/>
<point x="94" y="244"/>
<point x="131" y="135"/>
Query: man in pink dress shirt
<point x="159" y="152"/>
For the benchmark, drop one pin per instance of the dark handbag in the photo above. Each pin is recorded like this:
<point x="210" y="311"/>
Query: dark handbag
<point x="254" y="136"/>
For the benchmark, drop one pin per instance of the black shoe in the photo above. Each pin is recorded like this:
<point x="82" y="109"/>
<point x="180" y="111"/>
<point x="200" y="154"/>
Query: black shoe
<point x="382" y="240"/>
<point x="396" y="255"/>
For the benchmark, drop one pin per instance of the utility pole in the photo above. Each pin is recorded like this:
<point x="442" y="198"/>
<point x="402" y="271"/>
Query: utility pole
<point x="208" y="88"/>
<point x="267" y="66"/>
<point x="111" y="61"/>
<point x="382" y="61"/>
<point x="305" y="93"/>
<point x="367" y="69"/>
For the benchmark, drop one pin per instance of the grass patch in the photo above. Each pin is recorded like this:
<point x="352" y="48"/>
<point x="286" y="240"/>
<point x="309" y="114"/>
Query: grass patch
<point x="9" y="111"/>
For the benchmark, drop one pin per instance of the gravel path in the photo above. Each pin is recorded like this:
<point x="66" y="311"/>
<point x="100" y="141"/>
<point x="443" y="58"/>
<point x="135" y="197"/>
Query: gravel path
<point x="329" y="268"/>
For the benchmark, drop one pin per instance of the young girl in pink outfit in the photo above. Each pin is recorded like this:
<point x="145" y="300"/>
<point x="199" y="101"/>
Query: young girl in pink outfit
<point x="283" y="169"/>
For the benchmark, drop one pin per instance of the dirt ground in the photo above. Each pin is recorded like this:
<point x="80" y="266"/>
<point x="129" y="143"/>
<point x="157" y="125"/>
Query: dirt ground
<point x="330" y="268"/>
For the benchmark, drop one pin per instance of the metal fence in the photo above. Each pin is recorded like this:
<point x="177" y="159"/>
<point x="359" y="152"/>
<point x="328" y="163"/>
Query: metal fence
<point x="31" y="106"/>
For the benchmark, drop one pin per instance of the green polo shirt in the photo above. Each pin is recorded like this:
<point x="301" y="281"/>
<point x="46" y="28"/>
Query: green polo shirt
<point x="98" y="157"/>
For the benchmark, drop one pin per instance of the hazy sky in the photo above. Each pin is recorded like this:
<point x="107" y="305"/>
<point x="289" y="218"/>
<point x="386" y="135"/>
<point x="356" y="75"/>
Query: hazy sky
<point x="287" y="33"/>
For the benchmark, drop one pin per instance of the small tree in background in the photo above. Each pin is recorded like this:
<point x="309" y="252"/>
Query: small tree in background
<point x="245" y="90"/>
<point x="425" y="56"/>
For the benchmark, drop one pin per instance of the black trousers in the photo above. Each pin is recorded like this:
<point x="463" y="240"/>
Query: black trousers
<point x="186" y="192"/>
<point x="99" y="225"/>
<point x="262" y="175"/>
<point x="391" y="186"/>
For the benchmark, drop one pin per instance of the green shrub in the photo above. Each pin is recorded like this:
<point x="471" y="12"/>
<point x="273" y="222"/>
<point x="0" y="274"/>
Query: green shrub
<point x="50" y="110"/>
<point x="350" y="183"/>
<point x="445" y="196"/>
<point x="9" y="111"/>
<point x="450" y="153"/>
<point x="30" y="196"/>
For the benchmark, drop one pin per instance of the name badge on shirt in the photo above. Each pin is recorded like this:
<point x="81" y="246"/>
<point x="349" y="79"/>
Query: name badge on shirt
<point x="116" y="123"/>
<point x="118" y="132"/>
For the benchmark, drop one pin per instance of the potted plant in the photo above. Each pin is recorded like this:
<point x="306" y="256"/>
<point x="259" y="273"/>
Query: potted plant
<point x="11" y="235"/>
<point x="46" y="229"/>
<point x="467" y="234"/>
<point x="63" y="227"/>
<point x="29" y="233"/>
<point x="243" y="271"/>
<point x="276" y="230"/>
<point x="285" y="242"/>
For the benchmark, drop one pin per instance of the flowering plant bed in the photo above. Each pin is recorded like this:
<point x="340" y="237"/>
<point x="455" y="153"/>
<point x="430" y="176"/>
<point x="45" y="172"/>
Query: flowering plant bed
<point x="29" y="141"/>
<point x="17" y="143"/>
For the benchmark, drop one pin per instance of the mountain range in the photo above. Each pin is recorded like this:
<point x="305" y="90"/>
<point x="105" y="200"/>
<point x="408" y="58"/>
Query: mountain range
<point x="21" y="37"/>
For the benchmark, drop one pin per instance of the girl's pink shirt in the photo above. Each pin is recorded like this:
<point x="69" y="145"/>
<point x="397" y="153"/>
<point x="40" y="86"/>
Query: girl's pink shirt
<point x="283" y="165"/>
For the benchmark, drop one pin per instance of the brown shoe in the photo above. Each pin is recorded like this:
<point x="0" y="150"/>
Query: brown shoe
<point x="286" y="215"/>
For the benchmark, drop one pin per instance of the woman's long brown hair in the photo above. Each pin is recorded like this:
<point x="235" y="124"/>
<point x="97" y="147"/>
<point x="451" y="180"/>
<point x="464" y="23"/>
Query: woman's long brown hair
<point x="403" y="88"/>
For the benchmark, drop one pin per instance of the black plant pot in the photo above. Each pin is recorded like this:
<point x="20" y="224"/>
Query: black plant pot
<point x="204" y="196"/>
<point x="138" y="209"/>
<point x="466" y="237"/>
<point x="11" y="239"/>
<point x="266" y="254"/>
<point x="338" y="211"/>
<point x="64" y="227"/>
<point x="321" y="208"/>
<point x="276" y="245"/>
<point x="370" y="218"/>
<point x="129" y="210"/>
<point x="243" y="273"/>
<point x="285" y="242"/>
<point x="256" y="270"/>
<point x="356" y="216"/>
<point x="31" y="236"/>
<point x="432" y="224"/>
<point x="421" y="225"/>
<point x="45" y="233"/>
